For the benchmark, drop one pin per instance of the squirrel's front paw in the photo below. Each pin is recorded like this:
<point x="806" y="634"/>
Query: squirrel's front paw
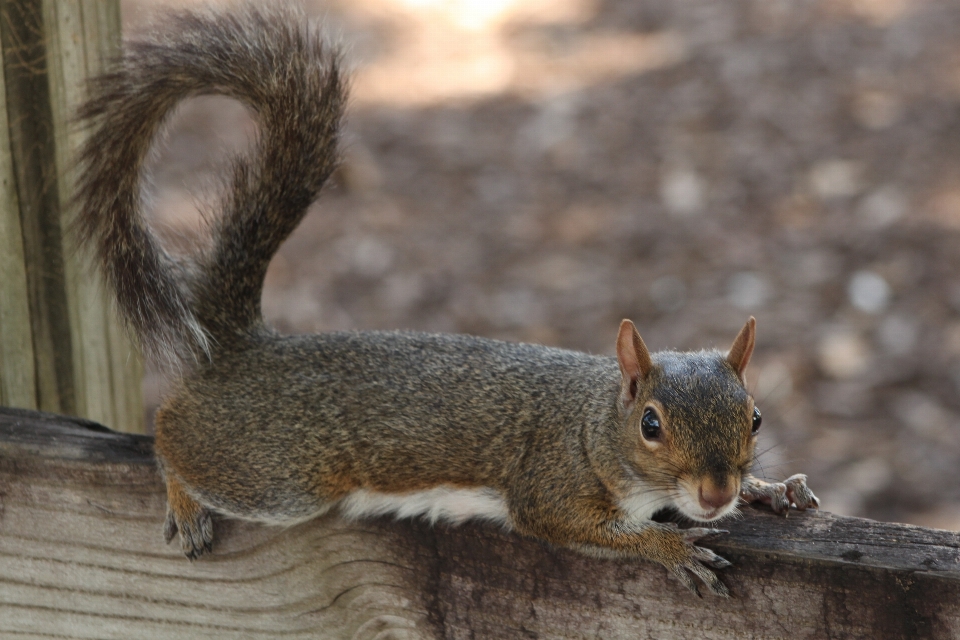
<point x="780" y="495"/>
<point x="186" y="517"/>
<point x="694" y="559"/>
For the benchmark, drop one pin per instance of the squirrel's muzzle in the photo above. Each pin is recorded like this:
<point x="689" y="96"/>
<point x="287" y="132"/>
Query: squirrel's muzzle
<point x="713" y="497"/>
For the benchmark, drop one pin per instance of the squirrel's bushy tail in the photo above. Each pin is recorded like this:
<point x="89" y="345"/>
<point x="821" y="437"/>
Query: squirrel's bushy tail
<point x="270" y="60"/>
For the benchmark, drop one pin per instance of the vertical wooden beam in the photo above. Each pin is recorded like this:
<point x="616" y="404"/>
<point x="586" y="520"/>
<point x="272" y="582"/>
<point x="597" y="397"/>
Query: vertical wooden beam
<point x="17" y="374"/>
<point x="82" y="36"/>
<point x="80" y="360"/>
<point x="32" y="146"/>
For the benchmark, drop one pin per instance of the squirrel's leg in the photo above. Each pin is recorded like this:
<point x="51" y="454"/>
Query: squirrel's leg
<point x="779" y="495"/>
<point x="186" y="516"/>
<point x="664" y="543"/>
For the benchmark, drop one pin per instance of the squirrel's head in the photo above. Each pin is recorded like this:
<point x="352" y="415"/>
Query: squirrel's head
<point x="690" y="424"/>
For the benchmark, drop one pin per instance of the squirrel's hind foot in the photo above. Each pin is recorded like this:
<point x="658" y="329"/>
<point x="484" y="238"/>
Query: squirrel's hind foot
<point x="780" y="495"/>
<point x="187" y="517"/>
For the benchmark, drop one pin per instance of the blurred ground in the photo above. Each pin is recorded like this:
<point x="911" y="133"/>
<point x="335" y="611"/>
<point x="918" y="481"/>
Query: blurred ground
<point x="539" y="169"/>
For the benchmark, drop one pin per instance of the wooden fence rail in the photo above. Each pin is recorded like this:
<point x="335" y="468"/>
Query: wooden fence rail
<point x="81" y="556"/>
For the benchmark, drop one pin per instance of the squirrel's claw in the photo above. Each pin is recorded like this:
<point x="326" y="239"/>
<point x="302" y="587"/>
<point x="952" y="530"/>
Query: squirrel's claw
<point x="680" y="571"/>
<point x="169" y="527"/>
<point x="693" y="534"/>
<point x="708" y="577"/>
<point x="799" y="493"/>
<point x="196" y="534"/>
<point x="708" y="557"/>
<point x="780" y="495"/>
<point x="188" y="517"/>
<point x="696" y="559"/>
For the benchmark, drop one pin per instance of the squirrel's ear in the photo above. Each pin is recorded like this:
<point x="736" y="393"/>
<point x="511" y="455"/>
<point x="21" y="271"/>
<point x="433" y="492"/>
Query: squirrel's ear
<point x="742" y="348"/>
<point x="634" y="359"/>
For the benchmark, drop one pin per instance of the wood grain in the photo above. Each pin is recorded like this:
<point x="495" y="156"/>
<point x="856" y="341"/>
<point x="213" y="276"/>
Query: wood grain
<point x="81" y="37"/>
<point x="17" y="384"/>
<point x="30" y="127"/>
<point x="81" y="556"/>
<point x="61" y="345"/>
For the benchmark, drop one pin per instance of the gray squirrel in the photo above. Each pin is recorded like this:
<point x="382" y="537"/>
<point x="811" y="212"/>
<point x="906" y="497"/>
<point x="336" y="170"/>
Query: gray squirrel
<point x="578" y="450"/>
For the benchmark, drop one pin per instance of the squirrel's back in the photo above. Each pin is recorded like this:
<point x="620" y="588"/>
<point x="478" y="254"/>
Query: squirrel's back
<point x="376" y="390"/>
<point x="268" y="59"/>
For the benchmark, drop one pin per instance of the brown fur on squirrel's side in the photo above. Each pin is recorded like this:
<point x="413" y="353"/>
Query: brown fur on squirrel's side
<point x="575" y="449"/>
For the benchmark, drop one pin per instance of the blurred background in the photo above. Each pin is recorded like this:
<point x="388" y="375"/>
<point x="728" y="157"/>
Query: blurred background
<point x="537" y="170"/>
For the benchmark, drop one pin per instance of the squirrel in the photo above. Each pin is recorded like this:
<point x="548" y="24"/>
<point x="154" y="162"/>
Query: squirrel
<point x="577" y="450"/>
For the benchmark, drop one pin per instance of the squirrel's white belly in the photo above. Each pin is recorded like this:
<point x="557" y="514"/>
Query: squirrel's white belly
<point x="441" y="503"/>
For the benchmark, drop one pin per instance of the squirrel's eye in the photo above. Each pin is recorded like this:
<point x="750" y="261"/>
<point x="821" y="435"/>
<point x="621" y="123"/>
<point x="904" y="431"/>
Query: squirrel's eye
<point x="650" y="425"/>
<point x="757" y="419"/>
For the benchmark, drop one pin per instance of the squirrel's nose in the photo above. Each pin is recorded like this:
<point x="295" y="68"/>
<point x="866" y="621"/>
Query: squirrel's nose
<point x="715" y="497"/>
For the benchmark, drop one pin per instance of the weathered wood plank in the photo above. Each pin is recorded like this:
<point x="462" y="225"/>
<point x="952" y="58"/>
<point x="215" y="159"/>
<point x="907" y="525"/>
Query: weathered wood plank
<point x="81" y="556"/>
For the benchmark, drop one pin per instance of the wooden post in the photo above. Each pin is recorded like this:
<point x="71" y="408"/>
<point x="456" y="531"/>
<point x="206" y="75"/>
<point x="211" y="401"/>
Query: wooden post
<point x="17" y="374"/>
<point x="81" y="556"/>
<point x="61" y="346"/>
